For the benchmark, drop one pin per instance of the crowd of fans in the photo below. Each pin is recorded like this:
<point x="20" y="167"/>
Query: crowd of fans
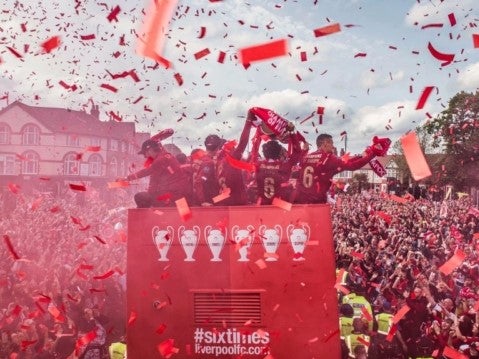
<point x="394" y="257"/>
<point x="62" y="275"/>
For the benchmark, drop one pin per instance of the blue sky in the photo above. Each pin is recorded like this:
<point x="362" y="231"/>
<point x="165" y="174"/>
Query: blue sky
<point x="361" y="95"/>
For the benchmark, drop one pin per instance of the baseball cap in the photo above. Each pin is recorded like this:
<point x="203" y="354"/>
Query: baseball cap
<point x="147" y="145"/>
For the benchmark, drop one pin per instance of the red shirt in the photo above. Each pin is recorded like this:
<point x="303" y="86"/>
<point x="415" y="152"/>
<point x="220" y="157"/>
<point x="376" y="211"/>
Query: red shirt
<point x="272" y="176"/>
<point x="317" y="171"/>
<point x="167" y="178"/>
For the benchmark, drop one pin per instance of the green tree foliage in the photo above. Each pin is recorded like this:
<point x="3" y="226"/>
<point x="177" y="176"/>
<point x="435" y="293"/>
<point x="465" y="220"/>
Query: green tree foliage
<point x="456" y="132"/>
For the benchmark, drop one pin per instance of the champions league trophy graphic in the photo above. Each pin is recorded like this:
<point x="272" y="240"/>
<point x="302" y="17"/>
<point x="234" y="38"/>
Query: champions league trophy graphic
<point x="216" y="241"/>
<point x="162" y="239"/>
<point x="189" y="240"/>
<point x="243" y="238"/>
<point x="270" y="237"/>
<point x="298" y="238"/>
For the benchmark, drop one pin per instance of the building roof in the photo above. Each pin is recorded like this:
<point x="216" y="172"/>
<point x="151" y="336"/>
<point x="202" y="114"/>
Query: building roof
<point x="77" y="122"/>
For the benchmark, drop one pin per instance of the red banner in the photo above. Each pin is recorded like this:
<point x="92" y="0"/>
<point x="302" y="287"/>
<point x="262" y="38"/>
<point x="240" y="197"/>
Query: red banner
<point x="233" y="281"/>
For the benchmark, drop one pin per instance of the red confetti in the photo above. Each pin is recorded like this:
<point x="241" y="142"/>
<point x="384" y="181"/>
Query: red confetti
<point x="446" y="58"/>
<point x="475" y="40"/>
<point x="452" y="19"/>
<point x="14" y="254"/>
<point x="303" y="56"/>
<point x="113" y="14"/>
<point x="77" y="187"/>
<point x="202" y="32"/>
<point x="99" y="239"/>
<point x="179" y="79"/>
<point x="87" y="37"/>
<point x="221" y="57"/>
<point x="14" y="52"/>
<point x="202" y="53"/>
<point x="327" y="30"/>
<point x="14" y="188"/>
<point x="105" y="275"/>
<point x="424" y="96"/>
<point x="109" y="87"/>
<point x="360" y="54"/>
<point x="432" y="25"/>
<point x="115" y="116"/>
<point x="132" y="318"/>
<point x="51" y="44"/>
<point x="263" y="51"/>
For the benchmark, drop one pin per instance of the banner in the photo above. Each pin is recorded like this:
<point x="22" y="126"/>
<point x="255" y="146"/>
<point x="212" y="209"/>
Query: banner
<point x="232" y="281"/>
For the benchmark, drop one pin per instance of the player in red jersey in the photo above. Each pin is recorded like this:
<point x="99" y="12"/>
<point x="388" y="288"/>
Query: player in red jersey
<point x="168" y="182"/>
<point x="272" y="173"/>
<point x="319" y="167"/>
<point x="225" y="158"/>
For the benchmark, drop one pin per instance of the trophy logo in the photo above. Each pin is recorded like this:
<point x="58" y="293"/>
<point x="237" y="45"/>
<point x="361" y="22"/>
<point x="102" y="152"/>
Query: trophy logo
<point x="298" y="238"/>
<point x="216" y="241"/>
<point x="243" y="239"/>
<point x="270" y="237"/>
<point x="162" y="239"/>
<point x="189" y="240"/>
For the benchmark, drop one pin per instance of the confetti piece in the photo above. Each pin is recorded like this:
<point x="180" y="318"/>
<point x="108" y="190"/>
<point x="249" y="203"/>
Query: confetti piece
<point x="14" y="52"/>
<point x="400" y="314"/>
<point x="118" y="184"/>
<point x="221" y="57"/>
<point x="202" y="53"/>
<point x="327" y="30"/>
<point x="264" y="51"/>
<point x="183" y="209"/>
<point x="88" y="37"/>
<point x="99" y="239"/>
<point x="222" y="196"/>
<point x="445" y="58"/>
<point x="202" y="32"/>
<point x="360" y="54"/>
<point x="155" y="26"/>
<point x="475" y="40"/>
<point x="282" y="204"/>
<point x="9" y="245"/>
<point x="51" y="44"/>
<point x="77" y="187"/>
<point x="452" y="263"/>
<point x="92" y="149"/>
<point x="452" y="19"/>
<point x="261" y="264"/>
<point x="113" y="14"/>
<point x="415" y="157"/>
<point x="14" y="188"/>
<point x="109" y="87"/>
<point x="431" y="25"/>
<point x="105" y="275"/>
<point x="179" y="79"/>
<point x="242" y="165"/>
<point x="424" y="96"/>
<point x="453" y="353"/>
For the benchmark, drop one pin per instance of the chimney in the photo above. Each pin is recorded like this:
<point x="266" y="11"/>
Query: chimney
<point x="95" y="112"/>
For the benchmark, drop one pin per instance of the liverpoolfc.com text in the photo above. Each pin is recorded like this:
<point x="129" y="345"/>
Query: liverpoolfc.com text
<point x="230" y="342"/>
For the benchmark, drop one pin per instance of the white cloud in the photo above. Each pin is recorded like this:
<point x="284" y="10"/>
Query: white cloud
<point x="468" y="79"/>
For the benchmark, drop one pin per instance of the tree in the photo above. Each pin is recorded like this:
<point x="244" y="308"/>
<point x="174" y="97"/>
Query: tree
<point x="359" y="182"/>
<point x="456" y="132"/>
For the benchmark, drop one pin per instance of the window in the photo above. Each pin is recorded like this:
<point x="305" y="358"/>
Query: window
<point x="4" y="134"/>
<point x="30" y="163"/>
<point x="95" y="141"/>
<point x="95" y="164"/>
<point x="73" y="141"/>
<point x="7" y="164"/>
<point x="71" y="164"/>
<point x="30" y="135"/>
<point x="114" y="145"/>
<point x="113" y="167"/>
